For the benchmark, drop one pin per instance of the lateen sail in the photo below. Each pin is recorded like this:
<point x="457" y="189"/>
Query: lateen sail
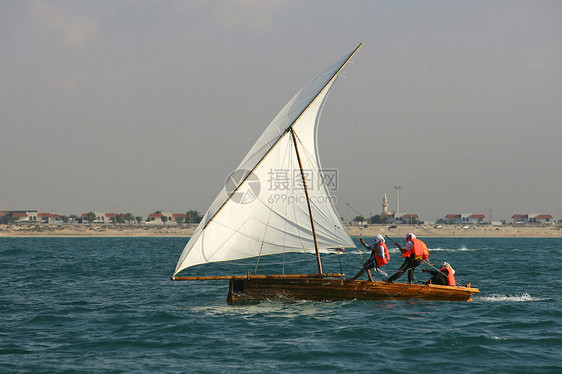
<point x="262" y="209"/>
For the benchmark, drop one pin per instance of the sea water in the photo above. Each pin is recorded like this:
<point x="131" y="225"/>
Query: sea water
<point x="107" y="305"/>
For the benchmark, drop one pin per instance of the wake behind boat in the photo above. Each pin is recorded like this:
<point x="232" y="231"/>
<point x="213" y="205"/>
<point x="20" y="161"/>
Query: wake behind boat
<point x="246" y="221"/>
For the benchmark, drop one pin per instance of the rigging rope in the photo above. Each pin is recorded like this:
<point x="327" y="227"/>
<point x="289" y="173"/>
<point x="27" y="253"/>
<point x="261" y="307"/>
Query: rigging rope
<point x="262" y="241"/>
<point x="271" y="202"/>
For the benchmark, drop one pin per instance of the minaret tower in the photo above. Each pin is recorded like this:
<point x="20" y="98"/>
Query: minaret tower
<point x="385" y="206"/>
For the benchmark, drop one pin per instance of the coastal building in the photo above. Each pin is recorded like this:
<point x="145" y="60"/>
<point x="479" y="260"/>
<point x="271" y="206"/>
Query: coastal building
<point x="542" y="219"/>
<point x="166" y="217"/>
<point x="25" y="216"/>
<point x="536" y="218"/>
<point x="465" y="218"/>
<point x="407" y="218"/>
<point x="102" y="218"/>
<point x="49" y="218"/>
<point x="385" y="212"/>
<point x="155" y="218"/>
<point x="99" y="217"/>
<point x="179" y="217"/>
<point x="360" y="223"/>
<point x="32" y="216"/>
<point x="396" y="217"/>
<point x="519" y="219"/>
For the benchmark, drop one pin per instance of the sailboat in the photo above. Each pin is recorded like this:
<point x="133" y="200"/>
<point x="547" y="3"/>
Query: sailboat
<point x="278" y="201"/>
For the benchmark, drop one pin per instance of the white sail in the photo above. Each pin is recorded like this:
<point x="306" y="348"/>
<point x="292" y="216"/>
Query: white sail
<point x="263" y="209"/>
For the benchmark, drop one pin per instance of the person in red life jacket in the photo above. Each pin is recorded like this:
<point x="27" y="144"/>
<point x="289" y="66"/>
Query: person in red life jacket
<point x="415" y="251"/>
<point x="444" y="276"/>
<point x="379" y="257"/>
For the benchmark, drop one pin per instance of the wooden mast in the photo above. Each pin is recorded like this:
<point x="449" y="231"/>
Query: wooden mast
<point x="307" y="203"/>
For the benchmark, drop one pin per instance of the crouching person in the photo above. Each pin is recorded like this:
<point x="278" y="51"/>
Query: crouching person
<point x="444" y="276"/>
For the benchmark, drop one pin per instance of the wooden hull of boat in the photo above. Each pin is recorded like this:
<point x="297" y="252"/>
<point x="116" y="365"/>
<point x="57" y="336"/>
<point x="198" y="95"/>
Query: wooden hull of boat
<point x="322" y="289"/>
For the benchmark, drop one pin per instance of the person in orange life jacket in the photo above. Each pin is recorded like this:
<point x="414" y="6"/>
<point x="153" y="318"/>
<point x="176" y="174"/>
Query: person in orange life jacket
<point x="415" y="251"/>
<point x="379" y="257"/>
<point x="444" y="276"/>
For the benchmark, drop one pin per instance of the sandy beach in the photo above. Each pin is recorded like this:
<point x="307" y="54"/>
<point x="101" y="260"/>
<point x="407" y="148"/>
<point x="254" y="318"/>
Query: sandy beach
<point x="458" y="231"/>
<point x="185" y="231"/>
<point x="95" y="230"/>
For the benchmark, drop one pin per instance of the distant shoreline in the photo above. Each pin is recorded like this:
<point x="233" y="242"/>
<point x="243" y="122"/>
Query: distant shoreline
<point x="485" y="231"/>
<point x="506" y="231"/>
<point x="95" y="231"/>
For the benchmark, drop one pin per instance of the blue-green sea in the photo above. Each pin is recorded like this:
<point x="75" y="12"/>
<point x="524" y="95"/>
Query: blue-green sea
<point x="107" y="305"/>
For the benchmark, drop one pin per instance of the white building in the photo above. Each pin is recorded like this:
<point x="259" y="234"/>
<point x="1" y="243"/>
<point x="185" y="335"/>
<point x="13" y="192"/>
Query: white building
<point x="465" y="218"/>
<point x="536" y="218"/>
<point x="166" y="217"/>
<point x="33" y="217"/>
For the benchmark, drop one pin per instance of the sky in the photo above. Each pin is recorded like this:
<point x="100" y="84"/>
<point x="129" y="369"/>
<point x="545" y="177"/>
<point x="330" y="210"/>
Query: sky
<point x="138" y="106"/>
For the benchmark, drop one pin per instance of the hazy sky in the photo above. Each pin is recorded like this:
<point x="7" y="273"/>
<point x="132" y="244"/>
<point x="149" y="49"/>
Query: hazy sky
<point x="135" y="106"/>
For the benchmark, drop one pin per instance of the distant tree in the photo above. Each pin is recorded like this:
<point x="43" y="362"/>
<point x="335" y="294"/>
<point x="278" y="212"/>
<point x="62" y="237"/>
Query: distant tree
<point x="179" y="220"/>
<point x="91" y="217"/>
<point x="193" y="216"/>
<point x="10" y="218"/>
<point x="375" y="219"/>
<point x="379" y="220"/>
<point x="164" y="219"/>
<point x="129" y="217"/>
<point x="359" y="219"/>
<point x="74" y="217"/>
<point x="138" y="219"/>
<point x="120" y="218"/>
<point x="64" y="219"/>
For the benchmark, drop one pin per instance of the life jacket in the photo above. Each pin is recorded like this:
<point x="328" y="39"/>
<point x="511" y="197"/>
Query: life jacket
<point x="419" y="249"/>
<point x="382" y="260"/>
<point x="450" y="276"/>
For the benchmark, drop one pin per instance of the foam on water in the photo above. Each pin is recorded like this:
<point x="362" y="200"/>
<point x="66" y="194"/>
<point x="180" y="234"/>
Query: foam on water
<point x="265" y="307"/>
<point x="514" y="298"/>
<point x="461" y="249"/>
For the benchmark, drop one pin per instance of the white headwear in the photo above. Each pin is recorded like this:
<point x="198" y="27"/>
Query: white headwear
<point x="446" y="265"/>
<point x="379" y="239"/>
<point x="410" y="236"/>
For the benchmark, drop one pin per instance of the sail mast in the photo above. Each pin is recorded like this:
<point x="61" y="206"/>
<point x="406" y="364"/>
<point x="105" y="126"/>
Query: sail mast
<point x="307" y="202"/>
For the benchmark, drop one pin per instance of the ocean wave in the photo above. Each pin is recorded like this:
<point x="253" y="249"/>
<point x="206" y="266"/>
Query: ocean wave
<point x="396" y="250"/>
<point x="461" y="249"/>
<point x="513" y="298"/>
<point x="272" y="308"/>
